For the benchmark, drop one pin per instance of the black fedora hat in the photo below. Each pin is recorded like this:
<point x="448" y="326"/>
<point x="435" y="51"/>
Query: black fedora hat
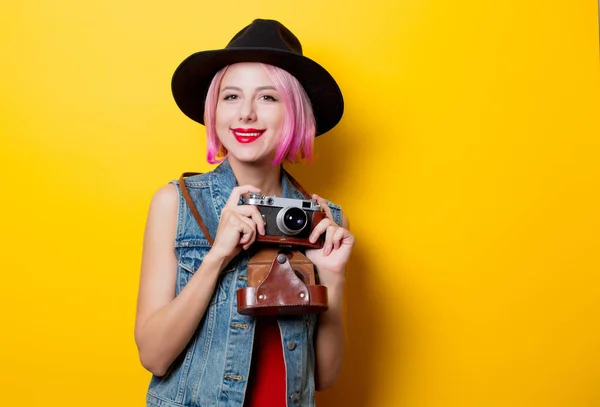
<point x="269" y="42"/>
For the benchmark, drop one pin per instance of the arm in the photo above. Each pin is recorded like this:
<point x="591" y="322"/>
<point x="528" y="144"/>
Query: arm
<point x="330" y="331"/>
<point x="330" y="341"/>
<point x="165" y="323"/>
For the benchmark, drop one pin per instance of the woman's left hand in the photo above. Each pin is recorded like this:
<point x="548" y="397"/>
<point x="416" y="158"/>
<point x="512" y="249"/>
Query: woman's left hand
<point x="331" y="259"/>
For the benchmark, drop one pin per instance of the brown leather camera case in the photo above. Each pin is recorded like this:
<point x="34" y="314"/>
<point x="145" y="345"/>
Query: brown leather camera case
<point x="281" y="281"/>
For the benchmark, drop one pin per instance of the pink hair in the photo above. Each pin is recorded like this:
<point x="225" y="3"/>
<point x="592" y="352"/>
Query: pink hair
<point x="297" y="130"/>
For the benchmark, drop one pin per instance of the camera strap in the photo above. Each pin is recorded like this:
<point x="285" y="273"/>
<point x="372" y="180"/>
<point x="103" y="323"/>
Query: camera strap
<point x="192" y="207"/>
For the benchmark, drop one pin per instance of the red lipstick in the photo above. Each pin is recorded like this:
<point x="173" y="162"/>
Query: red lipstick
<point x="248" y="135"/>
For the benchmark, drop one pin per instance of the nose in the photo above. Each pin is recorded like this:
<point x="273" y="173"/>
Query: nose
<point x="247" y="113"/>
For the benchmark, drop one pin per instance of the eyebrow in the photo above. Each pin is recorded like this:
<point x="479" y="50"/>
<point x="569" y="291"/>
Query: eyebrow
<point x="240" y="89"/>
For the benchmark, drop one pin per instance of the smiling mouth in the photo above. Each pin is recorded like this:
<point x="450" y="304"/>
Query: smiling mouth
<point x="246" y="136"/>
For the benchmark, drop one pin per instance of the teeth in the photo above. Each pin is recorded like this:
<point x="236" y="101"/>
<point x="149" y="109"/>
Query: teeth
<point x="247" y="134"/>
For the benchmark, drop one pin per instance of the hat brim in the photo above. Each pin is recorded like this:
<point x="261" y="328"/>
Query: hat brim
<point x="193" y="76"/>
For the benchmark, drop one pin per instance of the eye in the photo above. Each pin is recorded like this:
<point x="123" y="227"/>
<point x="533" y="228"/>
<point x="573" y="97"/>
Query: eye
<point x="269" y="98"/>
<point x="230" y="97"/>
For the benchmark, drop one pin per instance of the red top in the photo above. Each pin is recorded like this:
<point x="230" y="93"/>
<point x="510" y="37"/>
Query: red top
<point x="267" y="382"/>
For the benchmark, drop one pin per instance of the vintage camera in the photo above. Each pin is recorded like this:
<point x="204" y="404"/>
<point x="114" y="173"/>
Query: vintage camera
<point x="288" y="222"/>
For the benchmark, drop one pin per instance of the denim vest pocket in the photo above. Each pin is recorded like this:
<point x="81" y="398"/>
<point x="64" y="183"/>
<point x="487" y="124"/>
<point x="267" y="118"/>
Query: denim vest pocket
<point x="191" y="255"/>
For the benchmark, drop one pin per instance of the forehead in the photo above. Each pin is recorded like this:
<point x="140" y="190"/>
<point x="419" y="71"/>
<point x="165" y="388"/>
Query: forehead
<point x="246" y="74"/>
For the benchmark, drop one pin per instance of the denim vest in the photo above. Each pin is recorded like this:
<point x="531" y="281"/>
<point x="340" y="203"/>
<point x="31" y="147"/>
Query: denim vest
<point x="213" y="368"/>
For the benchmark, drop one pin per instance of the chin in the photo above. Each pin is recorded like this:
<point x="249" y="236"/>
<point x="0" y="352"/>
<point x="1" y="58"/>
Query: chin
<point x="248" y="157"/>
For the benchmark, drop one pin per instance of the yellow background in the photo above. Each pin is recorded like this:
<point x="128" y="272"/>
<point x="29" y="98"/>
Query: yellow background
<point x="467" y="162"/>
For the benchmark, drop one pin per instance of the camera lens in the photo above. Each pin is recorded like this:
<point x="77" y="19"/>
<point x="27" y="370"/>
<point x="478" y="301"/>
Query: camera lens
<point x="291" y="221"/>
<point x="294" y="219"/>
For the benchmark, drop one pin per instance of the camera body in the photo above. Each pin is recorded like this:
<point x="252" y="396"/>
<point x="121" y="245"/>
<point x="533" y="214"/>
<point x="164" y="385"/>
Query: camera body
<point x="288" y="221"/>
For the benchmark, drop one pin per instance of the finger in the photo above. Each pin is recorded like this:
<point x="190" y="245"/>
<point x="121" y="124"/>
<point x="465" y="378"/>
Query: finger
<point x="237" y="192"/>
<point x="328" y="246"/>
<point x="319" y="229"/>
<point x="323" y="203"/>
<point x="249" y="232"/>
<point x="251" y="211"/>
<point x="337" y="238"/>
<point x="239" y="224"/>
<point x="243" y="230"/>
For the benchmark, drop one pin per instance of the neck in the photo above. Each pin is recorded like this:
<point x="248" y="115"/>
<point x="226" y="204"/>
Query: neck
<point x="263" y="176"/>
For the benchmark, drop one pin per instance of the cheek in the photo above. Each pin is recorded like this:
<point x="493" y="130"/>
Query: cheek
<point x="276" y="117"/>
<point x="222" y="123"/>
<point x="280" y="121"/>
<point x="223" y="116"/>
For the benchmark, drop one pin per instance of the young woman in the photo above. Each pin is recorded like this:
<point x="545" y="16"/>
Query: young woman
<point x="263" y="103"/>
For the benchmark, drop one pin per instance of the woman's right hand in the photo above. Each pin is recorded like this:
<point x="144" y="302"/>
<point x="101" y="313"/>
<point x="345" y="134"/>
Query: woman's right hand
<point x="238" y="225"/>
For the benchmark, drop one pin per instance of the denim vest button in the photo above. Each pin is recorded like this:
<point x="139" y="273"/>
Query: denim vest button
<point x="291" y="345"/>
<point x="295" y="397"/>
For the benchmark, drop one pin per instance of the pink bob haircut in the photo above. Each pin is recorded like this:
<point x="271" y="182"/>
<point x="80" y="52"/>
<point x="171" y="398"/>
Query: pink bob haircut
<point x="298" y="129"/>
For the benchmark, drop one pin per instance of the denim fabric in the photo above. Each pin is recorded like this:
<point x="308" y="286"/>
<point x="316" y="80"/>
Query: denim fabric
<point x="213" y="369"/>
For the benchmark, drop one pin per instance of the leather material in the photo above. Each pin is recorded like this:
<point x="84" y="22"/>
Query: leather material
<point x="281" y="282"/>
<point x="190" y="202"/>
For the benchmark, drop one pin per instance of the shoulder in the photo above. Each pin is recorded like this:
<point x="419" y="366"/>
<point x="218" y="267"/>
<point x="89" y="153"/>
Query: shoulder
<point x="162" y="214"/>
<point x="165" y="199"/>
